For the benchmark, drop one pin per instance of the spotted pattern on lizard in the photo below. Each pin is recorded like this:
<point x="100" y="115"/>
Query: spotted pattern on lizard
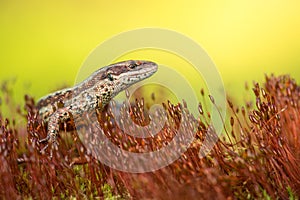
<point x="93" y="93"/>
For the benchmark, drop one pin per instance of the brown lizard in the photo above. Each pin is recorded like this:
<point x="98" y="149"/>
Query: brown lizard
<point x="91" y="94"/>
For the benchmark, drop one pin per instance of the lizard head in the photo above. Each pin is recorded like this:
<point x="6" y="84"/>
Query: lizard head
<point x="119" y="76"/>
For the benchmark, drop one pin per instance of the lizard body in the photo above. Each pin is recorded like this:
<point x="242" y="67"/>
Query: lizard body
<point x="93" y="93"/>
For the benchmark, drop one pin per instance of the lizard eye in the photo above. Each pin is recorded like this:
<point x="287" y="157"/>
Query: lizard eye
<point x="133" y="65"/>
<point x="110" y="77"/>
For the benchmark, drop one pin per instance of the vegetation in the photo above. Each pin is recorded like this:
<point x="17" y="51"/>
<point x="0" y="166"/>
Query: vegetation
<point x="256" y="158"/>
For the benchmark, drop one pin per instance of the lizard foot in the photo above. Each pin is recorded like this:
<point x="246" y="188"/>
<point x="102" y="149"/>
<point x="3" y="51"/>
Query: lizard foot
<point x="51" y="143"/>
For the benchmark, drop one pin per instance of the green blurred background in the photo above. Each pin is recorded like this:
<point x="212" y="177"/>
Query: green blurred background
<point x="44" y="43"/>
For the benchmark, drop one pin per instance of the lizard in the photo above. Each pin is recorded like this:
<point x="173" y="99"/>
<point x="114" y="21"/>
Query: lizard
<point x="91" y="94"/>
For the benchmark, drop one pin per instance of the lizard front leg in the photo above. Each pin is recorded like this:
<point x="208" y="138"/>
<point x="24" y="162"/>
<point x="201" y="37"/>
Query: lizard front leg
<point x="59" y="116"/>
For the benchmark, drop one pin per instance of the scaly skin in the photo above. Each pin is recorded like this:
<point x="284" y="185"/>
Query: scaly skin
<point x="91" y="94"/>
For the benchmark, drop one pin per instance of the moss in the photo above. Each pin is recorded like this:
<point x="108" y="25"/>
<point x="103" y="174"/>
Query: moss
<point x="257" y="157"/>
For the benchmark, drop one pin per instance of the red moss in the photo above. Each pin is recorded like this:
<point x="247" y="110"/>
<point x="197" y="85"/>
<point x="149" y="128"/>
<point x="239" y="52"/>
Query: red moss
<point x="259" y="155"/>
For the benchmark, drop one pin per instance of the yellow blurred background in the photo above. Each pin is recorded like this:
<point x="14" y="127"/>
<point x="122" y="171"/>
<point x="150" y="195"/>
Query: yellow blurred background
<point x="44" y="43"/>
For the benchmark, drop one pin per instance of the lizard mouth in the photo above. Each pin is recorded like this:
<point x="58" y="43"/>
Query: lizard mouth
<point x="145" y="70"/>
<point x="148" y="67"/>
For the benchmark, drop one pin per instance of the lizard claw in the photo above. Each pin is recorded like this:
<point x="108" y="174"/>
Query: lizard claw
<point x="44" y="148"/>
<point x="44" y="139"/>
<point x="53" y="145"/>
